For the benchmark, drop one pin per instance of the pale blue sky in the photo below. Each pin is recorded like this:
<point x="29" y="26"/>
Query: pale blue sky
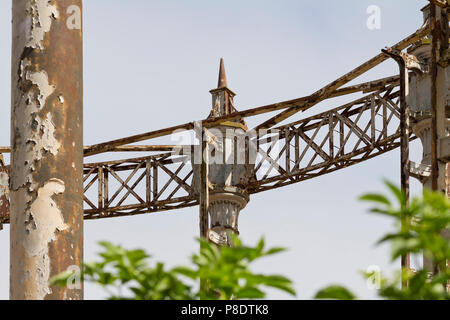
<point x="150" y="64"/>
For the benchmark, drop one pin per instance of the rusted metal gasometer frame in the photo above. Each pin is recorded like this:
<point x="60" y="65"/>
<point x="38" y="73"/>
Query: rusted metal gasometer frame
<point x="204" y="185"/>
<point x="438" y="89"/>
<point x="434" y="71"/>
<point x="439" y="114"/>
<point x="4" y="191"/>
<point x="47" y="147"/>
<point x="204" y="192"/>
<point x="405" y="63"/>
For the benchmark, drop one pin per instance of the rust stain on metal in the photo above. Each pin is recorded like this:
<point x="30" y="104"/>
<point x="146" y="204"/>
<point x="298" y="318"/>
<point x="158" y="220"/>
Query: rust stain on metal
<point x="43" y="222"/>
<point x="4" y="192"/>
<point x="434" y="74"/>
<point x="37" y="133"/>
<point x="440" y="3"/>
<point x="405" y="62"/>
<point x="41" y="13"/>
<point x="46" y="193"/>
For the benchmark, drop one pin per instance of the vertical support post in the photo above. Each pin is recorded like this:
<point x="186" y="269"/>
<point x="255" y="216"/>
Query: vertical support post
<point x="404" y="157"/>
<point x="372" y="119"/>
<point x="439" y="91"/>
<point x="155" y="180"/>
<point x="4" y="191"/>
<point x="100" y="176"/>
<point x="331" y="125"/>
<point x="287" y="137"/>
<point x="105" y="190"/>
<point x="404" y="145"/>
<point x="341" y="137"/>
<point x="46" y="147"/>
<point x="148" y="167"/>
<point x="434" y="71"/>
<point x="204" y="195"/>
<point x="204" y="187"/>
<point x="431" y="97"/>
<point x="297" y="151"/>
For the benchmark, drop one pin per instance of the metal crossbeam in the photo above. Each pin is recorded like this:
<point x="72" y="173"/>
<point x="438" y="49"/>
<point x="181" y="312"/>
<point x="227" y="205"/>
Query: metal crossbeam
<point x="135" y="186"/>
<point x="332" y="140"/>
<point x="314" y="146"/>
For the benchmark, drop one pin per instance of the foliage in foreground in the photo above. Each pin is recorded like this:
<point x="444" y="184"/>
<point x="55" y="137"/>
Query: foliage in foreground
<point x="226" y="269"/>
<point x="428" y="217"/>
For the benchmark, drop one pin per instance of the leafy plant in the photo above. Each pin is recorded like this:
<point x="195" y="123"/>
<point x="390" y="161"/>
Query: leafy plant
<point x="127" y="270"/>
<point x="227" y="272"/>
<point x="224" y="272"/>
<point x="335" y="292"/>
<point x="427" y="217"/>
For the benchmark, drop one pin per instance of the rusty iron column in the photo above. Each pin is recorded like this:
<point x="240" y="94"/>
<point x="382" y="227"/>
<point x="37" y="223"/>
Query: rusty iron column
<point x="204" y="194"/>
<point x="434" y="70"/>
<point x="438" y="93"/>
<point x="221" y="177"/>
<point x="404" y="143"/>
<point x="406" y="62"/>
<point x="439" y="107"/>
<point x="204" y="186"/>
<point x="227" y="170"/>
<point x="428" y="101"/>
<point x="46" y="147"/>
<point x="4" y="191"/>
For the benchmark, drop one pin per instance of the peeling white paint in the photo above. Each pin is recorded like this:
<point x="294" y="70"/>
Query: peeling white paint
<point x="50" y="143"/>
<point x="37" y="219"/>
<point x="44" y="220"/>
<point x="34" y="139"/>
<point x="4" y="186"/>
<point x="23" y="67"/>
<point x="37" y="135"/>
<point x="41" y="13"/>
<point x="40" y="79"/>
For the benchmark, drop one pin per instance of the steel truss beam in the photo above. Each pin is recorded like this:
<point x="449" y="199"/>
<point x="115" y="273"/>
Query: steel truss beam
<point x="332" y="140"/>
<point x="323" y="143"/>
<point x="314" y="146"/>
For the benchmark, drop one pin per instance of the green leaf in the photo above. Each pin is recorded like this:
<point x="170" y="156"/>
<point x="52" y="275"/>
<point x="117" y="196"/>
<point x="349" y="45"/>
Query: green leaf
<point x="250" y="293"/>
<point x="335" y="292"/>
<point x="187" y="272"/>
<point x="227" y="270"/>
<point x="274" y="250"/>
<point x="398" y="193"/>
<point x="260" y="245"/>
<point x="372" y="197"/>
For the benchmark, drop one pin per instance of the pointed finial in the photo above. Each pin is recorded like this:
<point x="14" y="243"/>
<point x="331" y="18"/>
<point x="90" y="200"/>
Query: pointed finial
<point x="222" y="76"/>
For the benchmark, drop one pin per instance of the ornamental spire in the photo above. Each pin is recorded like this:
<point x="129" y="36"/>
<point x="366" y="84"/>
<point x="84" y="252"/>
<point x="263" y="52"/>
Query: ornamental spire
<point x="222" y="83"/>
